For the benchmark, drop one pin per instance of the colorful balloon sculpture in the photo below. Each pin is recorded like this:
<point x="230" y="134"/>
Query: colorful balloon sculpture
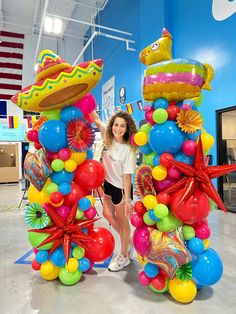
<point x="174" y="182"/>
<point x="61" y="214"/>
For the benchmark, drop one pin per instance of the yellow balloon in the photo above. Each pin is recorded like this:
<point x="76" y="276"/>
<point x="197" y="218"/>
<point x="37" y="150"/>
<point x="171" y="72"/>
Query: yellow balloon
<point x="159" y="173"/>
<point x="141" y="260"/>
<point x="39" y="197"/>
<point x="206" y="243"/>
<point x="72" y="265"/>
<point x="141" y="138"/>
<point x="183" y="291"/>
<point x="92" y="199"/>
<point x="70" y="165"/>
<point x="207" y="141"/>
<point x="149" y="201"/>
<point x="79" y="158"/>
<point x="49" y="272"/>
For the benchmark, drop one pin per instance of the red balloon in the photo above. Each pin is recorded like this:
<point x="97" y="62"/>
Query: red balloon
<point x="159" y="282"/>
<point x="172" y="111"/>
<point x="102" y="245"/>
<point x="89" y="175"/>
<point x="194" y="209"/>
<point x="139" y="208"/>
<point x="163" y="198"/>
<point x="164" y="159"/>
<point x="56" y="197"/>
<point x="35" y="265"/>
<point x="75" y="195"/>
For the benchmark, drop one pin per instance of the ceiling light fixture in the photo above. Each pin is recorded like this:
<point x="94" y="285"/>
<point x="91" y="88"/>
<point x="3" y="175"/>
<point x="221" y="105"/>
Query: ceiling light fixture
<point x="52" y="25"/>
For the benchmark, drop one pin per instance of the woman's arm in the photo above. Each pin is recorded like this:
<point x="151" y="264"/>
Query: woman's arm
<point x="127" y="180"/>
<point x="96" y="119"/>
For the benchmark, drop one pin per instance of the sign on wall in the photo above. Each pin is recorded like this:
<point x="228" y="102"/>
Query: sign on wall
<point x="12" y="135"/>
<point x="108" y="99"/>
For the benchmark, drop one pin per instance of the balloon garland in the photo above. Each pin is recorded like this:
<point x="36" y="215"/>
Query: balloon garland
<point x="61" y="214"/>
<point x="174" y="182"/>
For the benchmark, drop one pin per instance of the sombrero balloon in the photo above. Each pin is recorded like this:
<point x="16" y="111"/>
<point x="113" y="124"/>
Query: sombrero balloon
<point x="58" y="83"/>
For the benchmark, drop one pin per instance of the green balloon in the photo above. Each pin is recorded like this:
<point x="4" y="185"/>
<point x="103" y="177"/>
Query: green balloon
<point x="52" y="187"/>
<point x="148" y="159"/>
<point x="159" y="291"/>
<point x="36" y="238"/>
<point x="189" y="232"/>
<point x="57" y="165"/>
<point x="169" y="223"/>
<point x="145" y="128"/>
<point x="161" y="211"/>
<point x="79" y="214"/>
<point x="68" y="278"/>
<point x="78" y="252"/>
<point x="148" y="221"/>
<point x="51" y="114"/>
<point x="160" y="115"/>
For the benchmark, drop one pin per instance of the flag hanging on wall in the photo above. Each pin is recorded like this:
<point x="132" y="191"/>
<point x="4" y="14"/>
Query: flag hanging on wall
<point x="129" y="108"/>
<point x="13" y="122"/>
<point x="140" y="105"/>
<point x="11" y="63"/>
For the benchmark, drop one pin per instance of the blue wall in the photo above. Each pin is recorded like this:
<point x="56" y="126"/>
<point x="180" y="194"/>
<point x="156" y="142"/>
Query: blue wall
<point x="196" y="34"/>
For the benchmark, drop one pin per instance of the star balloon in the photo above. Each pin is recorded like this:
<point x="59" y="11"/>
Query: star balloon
<point x="64" y="232"/>
<point x="199" y="177"/>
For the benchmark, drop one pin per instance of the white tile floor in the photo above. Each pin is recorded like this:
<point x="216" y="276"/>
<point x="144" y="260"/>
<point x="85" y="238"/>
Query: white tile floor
<point x="101" y="292"/>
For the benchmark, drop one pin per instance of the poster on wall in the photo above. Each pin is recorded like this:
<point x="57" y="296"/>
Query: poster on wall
<point x="108" y="99"/>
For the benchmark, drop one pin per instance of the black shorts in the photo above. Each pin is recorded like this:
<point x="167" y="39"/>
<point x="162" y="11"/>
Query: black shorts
<point x="115" y="193"/>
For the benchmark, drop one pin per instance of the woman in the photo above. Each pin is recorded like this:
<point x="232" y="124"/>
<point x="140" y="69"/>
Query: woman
<point x="119" y="159"/>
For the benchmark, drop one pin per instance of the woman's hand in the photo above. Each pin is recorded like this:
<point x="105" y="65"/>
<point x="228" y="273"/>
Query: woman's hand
<point x="128" y="209"/>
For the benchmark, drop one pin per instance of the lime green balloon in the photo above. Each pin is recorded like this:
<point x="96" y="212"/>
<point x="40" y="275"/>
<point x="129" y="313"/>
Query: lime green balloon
<point x="68" y="278"/>
<point x="159" y="291"/>
<point x="78" y="252"/>
<point x="161" y="211"/>
<point x="148" y="159"/>
<point x="148" y="221"/>
<point x="52" y="187"/>
<point x="57" y="165"/>
<point x="51" y="114"/>
<point x="145" y="128"/>
<point x="212" y="204"/>
<point x="199" y="100"/>
<point x="36" y="238"/>
<point x="160" y="115"/>
<point x="189" y="232"/>
<point x="79" y="214"/>
<point x="169" y="223"/>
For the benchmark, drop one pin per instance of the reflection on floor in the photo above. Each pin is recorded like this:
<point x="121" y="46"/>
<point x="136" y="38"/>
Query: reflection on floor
<point x="230" y="197"/>
<point x="100" y="291"/>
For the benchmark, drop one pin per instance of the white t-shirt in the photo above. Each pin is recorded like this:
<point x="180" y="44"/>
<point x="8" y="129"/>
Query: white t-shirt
<point x="118" y="160"/>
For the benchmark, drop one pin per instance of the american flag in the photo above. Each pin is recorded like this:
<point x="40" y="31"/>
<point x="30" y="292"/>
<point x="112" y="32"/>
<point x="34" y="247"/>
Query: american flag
<point x="11" y="63"/>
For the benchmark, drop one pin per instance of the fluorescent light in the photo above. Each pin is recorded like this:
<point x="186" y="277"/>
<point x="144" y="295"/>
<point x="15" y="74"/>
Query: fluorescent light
<point x="48" y="24"/>
<point x="52" y="25"/>
<point x="57" y="27"/>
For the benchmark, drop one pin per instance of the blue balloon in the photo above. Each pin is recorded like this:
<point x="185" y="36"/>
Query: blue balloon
<point x="207" y="269"/>
<point x="89" y="154"/>
<point x="41" y="256"/>
<point x="166" y="138"/>
<point x="84" y="203"/>
<point x="70" y="113"/>
<point x="184" y="158"/>
<point x="64" y="188"/>
<point x="196" y="246"/>
<point x="58" y="257"/>
<point x="62" y="176"/>
<point x="145" y="149"/>
<point x="193" y="136"/>
<point x="151" y="270"/>
<point x="52" y="135"/>
<point x="156" y="160"/>
<point x="152" y="215"/>
<point x="84" y="264"/>
<point x="161" y="103"/>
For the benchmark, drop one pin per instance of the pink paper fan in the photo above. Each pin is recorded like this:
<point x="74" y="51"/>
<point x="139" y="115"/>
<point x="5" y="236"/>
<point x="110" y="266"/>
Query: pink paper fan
<point x="80" y="135"/>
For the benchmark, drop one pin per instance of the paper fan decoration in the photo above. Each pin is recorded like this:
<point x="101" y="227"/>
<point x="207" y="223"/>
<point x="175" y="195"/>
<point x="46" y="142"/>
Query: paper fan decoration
<point x="37" y="124"/>
<point x="36" y="217"/>
<point x="80" y="135"/>
<point x="144" y="181"/>
<point x="184" y="272"/>
<point x="189" y="121"/>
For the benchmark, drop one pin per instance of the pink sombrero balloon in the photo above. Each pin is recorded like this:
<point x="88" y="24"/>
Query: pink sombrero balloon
<point x="58" y="83"/>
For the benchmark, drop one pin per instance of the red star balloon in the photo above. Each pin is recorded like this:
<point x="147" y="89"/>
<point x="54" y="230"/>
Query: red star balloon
<point x="64" y="232"/>
<point x="199" y="177"/>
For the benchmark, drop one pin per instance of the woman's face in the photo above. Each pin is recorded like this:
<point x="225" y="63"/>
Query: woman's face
<point x="119" y="128"/>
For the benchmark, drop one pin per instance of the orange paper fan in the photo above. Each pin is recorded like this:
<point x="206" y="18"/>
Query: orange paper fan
<point x="189" y="121"/>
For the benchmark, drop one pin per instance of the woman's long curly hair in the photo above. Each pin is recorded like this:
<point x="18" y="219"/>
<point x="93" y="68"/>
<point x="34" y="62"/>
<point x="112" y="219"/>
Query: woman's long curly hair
<point x="130" y="125"/>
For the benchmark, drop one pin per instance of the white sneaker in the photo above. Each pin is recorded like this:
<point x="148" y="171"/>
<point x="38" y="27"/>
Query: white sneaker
<point x="119" y="263"/>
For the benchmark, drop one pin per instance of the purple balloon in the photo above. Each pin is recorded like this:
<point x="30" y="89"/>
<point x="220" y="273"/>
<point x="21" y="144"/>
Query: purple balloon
<point x="164" y="184"/>
<point x="141" y="240"/>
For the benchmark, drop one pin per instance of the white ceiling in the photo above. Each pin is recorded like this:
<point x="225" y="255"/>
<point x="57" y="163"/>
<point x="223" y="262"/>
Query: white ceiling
<point x="25" y="16"/>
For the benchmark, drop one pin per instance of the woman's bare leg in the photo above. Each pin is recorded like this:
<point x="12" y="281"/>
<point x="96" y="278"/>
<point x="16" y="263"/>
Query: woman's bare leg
<point x="109" y="213"/>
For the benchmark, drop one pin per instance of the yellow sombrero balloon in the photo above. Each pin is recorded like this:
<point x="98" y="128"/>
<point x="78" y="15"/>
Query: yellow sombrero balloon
<point x="58" y="83"/>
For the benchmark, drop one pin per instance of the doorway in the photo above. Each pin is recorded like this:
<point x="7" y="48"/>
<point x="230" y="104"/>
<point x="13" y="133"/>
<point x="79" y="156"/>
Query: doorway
<point x="226" y="154"/>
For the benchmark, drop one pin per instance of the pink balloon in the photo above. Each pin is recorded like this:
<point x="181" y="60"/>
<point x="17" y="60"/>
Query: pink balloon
<point x="63" y="211"/>
<point x="189" y="147"/>
<point x="141" y="240"/>
<point x="90" y="213"/>
<point x="202" y="231"/>
<point x="164" y="184"/>
<point x="144" y="279"/>
<point x="173" y="172"/>
<point x="64" y="154"/>
<point x="149" y="117"/>
<point x="86" y="104"/>
<point x="137" y="220"/>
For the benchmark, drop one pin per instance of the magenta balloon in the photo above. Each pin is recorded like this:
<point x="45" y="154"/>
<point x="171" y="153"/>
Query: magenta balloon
<point x="141" y="240"/>
<point x="137" y="220"/>
<point x="144" y="279"/>
<point x="86" y="104"/>
<point x="149" y="117"/>
<point x="164" y="184"/>
<point x="63" y="211"/>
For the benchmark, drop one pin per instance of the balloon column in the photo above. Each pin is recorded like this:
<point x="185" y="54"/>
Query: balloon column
<point x="174" y="181"/>
<point x="61" y="172"/>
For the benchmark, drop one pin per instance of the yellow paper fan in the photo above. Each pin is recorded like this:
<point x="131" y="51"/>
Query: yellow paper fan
<point x="189" y="121"/>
